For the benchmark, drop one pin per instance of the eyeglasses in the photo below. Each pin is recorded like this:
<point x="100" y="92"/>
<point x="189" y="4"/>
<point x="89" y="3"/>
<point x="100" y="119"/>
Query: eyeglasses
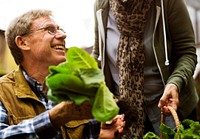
<point x="50" y="29"/>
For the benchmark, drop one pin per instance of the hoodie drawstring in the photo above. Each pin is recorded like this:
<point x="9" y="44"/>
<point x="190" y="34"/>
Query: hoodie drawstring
<point x="164" y="34"/>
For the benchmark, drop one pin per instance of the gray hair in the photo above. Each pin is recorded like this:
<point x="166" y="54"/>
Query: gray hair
<point x="20" y="26"/>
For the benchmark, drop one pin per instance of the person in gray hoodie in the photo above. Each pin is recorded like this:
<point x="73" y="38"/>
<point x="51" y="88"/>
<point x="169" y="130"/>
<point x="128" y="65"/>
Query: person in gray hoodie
<point x="146" y="49"/>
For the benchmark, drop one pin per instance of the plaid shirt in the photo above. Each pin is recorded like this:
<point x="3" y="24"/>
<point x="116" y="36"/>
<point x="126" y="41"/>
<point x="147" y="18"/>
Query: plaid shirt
<point x="40" y="126"/>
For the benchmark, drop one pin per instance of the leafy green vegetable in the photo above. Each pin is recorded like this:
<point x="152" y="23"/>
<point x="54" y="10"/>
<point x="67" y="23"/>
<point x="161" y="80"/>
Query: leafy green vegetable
<point x="69" y="82"/>
<point x="189" y="129"/>
<point x="167" y="132"/>
<point x="81" y="59"/>
<point x="79" y="79"/>
<point x="64" y="67"/>
<point x="150" y="135"/>
<point x="91" y="77"/>
<point x="104" y="98"/>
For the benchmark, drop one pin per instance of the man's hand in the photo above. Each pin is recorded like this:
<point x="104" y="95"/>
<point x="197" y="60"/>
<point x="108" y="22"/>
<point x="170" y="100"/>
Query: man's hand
<point x="109" y="129"/>
<point x="68" y="111"/>
<point x="170" y="97"/>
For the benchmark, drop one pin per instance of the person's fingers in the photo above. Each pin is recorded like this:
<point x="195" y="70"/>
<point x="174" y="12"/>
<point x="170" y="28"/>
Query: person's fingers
<point x="166" y="111"/>
<point x="121" y="127"/>
<point x="162" y="102"/>
<point x="173" y="103"/>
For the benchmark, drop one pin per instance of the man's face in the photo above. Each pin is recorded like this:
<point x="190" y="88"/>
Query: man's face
<point x="46" y="42"/>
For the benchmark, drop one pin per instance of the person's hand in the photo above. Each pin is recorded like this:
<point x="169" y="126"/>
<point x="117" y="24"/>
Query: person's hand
<point x="170" y="97"/>
<point x="110" y="128"/>
<point x="68" y="111"/>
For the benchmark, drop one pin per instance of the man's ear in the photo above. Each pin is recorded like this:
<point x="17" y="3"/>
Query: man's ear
<point x="22" y="43"/>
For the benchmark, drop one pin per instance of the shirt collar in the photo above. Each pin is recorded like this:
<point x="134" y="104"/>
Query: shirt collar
<point x="35" y="86"/>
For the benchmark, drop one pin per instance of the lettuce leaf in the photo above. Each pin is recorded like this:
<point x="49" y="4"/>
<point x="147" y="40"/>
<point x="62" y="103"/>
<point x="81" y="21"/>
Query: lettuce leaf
<point x="80" y="59"/>
<point x="188" y="129"/>
<point x="79" y="79"/>
<point x="150" y="135"/>
<point x="104" y="106"/>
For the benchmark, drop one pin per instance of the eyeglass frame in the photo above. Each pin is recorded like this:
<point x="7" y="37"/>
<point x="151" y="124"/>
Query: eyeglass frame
<point x="45" y="28"/>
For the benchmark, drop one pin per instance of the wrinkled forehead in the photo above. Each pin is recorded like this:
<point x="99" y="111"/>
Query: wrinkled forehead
<point x="43" y="21"/>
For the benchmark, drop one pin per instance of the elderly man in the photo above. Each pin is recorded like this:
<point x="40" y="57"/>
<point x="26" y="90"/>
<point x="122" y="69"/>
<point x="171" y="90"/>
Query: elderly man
<point x="36" y="42"/>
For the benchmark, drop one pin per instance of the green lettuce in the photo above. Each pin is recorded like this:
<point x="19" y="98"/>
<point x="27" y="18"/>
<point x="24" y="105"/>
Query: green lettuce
<point x="79" y="79"/>
<point x="189" y="129"/>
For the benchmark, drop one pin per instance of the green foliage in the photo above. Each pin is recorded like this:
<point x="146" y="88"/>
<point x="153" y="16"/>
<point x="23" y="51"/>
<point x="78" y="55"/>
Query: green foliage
<point x="150" y="135"/>
<point x="189" y="129"/>
<point x="80" y="59"/>
<point x="79" y="79"/>
<point x="167" y="132"/>
<point x="104" y="107"/>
